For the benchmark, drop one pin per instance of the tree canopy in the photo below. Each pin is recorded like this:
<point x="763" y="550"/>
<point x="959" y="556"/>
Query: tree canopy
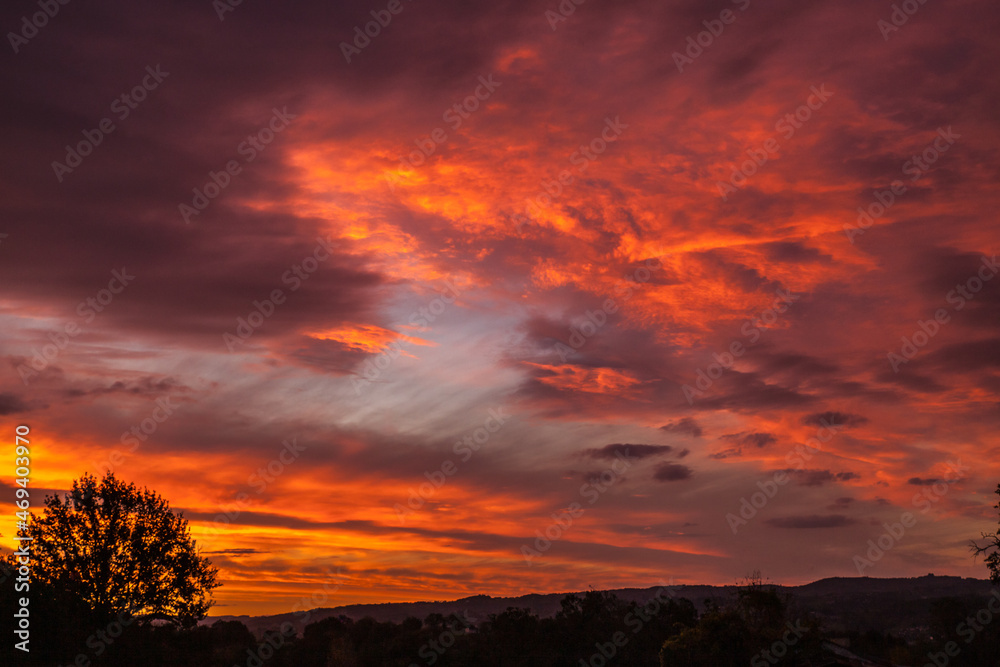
<point x="121" y="550"/>
<point x="991" y="549"/>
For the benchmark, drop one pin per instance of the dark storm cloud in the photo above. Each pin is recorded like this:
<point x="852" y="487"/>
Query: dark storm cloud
<point x="195" y="280"/>
<point x="747" y="392"/>
<point x="11" y="404"/>
<point x="818" y="477"/>
<point x="925" y="481"/>
<point x="685" y="425"/>
<point x="831" y="418"/>
<point x="615" y="451"/>
<point x="798" y="366"/>
<point x="751" y="439"/>
<point x="841" y="503"/>
<point x="969" y="356"/>
<point x="746" y="278"/>
<point x="145" y="386"/>
<point x="954" y="280"/>
<point x="672" y="472"/>
<point x="795" y="252"/>
<point x="727" y="453"/>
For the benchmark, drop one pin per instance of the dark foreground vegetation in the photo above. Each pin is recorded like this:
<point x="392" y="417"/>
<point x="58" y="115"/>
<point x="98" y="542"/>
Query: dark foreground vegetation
<point x="594" y="629"/>
<point x="116" y="580"/>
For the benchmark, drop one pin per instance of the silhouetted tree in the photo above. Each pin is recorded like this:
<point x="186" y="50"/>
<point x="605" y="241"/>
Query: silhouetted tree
<point x="121" y="551"/>
<point x="991" y="549"/>
<point x="720" y="639"/>
<point x="736" y="634"/>
<point x="58" y="621"/>
<point x="759" y="604"/>
<point x="513" y="637"/>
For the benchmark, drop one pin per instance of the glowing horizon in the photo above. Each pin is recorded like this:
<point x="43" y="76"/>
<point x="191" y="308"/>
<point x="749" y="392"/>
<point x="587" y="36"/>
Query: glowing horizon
<point x="442" y="285"/>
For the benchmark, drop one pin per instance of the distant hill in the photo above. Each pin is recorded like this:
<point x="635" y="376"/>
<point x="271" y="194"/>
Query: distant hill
<point x="841" y="603"/>
<point x="896" y="605"/>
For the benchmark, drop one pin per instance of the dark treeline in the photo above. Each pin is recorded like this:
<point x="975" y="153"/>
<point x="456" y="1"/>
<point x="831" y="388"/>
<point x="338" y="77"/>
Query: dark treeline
<point x="593" y="629"/>
<point x="108" y="550"/>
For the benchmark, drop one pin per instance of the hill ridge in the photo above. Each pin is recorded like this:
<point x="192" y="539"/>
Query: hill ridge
<point x="836" y="600"/>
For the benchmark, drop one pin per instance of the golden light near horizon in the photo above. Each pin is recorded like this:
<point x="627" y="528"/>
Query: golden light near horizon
<point x="396" y="314"/>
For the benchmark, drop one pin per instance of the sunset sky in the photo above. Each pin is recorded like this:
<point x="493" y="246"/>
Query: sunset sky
<point x="619" y="296"/>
